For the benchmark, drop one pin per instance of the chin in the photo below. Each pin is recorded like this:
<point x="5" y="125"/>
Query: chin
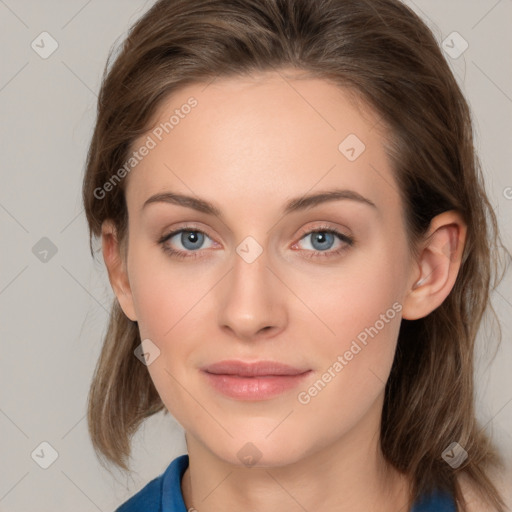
<point x="260" y="452"/>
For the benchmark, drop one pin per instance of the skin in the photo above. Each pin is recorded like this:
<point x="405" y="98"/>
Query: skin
<point x="249" y="146"/>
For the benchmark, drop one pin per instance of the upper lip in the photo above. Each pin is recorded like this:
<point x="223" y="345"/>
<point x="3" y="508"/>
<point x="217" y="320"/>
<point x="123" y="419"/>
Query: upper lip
<point x="253" y="369"/>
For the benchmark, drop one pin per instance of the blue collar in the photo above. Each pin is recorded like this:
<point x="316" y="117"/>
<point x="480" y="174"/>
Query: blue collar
<point x="172" y="498"/>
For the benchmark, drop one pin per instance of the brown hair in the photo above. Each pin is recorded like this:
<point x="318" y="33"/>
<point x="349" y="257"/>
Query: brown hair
<point x="383" y="51"/>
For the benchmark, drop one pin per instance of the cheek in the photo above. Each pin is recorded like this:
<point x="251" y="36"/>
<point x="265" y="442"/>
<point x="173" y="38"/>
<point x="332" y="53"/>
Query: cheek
<point x="371" y="320"/>
<point x="352" y="298"/>
<point x="364" y="322"/>
<point x="356" y="367"/>
<point x="363" y="314"/>
<point x="163" y="292"/>
<point x="168" y="298"/>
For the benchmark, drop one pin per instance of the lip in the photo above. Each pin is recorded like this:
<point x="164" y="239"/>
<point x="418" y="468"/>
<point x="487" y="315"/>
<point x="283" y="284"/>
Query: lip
<point x="260" y="380"/>
<point x="255" y="369"/>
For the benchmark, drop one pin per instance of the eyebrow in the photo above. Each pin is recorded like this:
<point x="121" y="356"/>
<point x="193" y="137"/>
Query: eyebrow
<point x="294" y="205"/>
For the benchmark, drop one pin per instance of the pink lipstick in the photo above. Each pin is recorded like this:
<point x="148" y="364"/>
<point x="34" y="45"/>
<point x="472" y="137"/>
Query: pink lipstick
<point x="259" y="380"/>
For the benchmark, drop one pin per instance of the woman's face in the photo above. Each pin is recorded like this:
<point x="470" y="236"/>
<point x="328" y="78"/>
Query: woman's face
<point x="254" y="283"/>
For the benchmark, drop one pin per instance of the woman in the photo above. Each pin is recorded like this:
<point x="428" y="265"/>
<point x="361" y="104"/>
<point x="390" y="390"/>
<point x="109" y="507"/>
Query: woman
<point x="296" y="229"/>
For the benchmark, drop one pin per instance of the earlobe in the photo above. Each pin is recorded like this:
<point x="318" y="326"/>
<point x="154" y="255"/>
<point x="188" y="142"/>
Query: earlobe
<point x="116" y="269"/>
<point x="439" y="262"/>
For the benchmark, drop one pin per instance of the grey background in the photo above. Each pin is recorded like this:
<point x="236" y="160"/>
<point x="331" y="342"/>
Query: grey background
<point x="54" y="314"/>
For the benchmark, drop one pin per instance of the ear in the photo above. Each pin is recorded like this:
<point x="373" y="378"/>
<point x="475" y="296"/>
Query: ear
<point x="116" y="267"/>
<point x="435" y="272"/>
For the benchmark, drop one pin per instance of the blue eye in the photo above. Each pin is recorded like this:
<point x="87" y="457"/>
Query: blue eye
<point x="192" y="239"/>
<point x="322" y="240"/>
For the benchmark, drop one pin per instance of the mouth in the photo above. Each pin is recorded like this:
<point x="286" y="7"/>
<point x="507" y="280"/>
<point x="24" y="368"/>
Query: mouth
<point x="261" y="380"/>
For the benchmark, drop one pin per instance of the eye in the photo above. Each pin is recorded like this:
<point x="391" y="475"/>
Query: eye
<point x="322" y="239"/>
<point x="190" y="238"/>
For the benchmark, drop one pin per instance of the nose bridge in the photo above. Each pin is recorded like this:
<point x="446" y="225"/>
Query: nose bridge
<point x="251" y="301"/>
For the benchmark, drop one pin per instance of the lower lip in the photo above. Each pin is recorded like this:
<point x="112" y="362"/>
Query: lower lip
<point x="254" y="388"/>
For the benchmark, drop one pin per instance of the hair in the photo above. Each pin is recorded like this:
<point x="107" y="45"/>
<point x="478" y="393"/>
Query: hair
<point x="383" y="52"/>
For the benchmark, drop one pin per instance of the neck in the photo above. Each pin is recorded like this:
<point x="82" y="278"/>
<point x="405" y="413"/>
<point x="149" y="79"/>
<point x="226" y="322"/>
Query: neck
<point x="350" y="475"/>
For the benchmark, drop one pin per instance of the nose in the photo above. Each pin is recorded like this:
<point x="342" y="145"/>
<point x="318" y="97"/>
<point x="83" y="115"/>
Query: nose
<point x="252" y="300"/>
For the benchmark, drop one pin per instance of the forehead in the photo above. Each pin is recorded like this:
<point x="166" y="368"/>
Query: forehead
<point x="261" y="139"/>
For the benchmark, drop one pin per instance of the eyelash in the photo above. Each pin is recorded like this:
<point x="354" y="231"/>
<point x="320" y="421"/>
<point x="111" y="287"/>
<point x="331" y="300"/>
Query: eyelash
<point x="312" y="254"/>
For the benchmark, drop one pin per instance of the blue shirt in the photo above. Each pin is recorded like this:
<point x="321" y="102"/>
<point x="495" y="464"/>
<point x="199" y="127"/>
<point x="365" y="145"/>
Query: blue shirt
<point x="163" y="494"/>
